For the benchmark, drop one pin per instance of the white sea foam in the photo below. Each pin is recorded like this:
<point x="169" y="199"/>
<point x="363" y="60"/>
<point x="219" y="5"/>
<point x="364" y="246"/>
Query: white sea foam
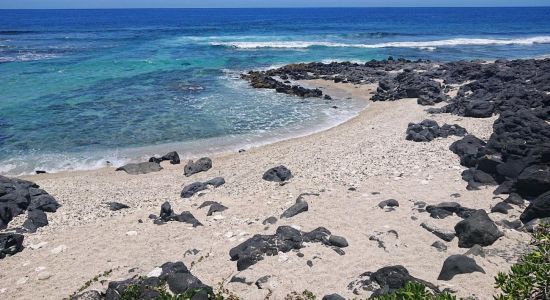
<point x="425" y="45"/>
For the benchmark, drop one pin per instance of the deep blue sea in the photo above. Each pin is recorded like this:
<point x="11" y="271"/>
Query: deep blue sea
<point x="82" y="87"/>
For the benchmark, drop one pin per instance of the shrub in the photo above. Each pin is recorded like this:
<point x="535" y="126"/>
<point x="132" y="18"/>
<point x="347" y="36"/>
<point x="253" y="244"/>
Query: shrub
<point x="415" y="291"/>
<point x="530" y="277"/>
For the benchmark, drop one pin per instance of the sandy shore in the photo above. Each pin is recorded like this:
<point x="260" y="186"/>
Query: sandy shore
<point x="368" y="153"/>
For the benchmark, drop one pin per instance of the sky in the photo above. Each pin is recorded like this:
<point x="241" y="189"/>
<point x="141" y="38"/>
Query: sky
<point x="9" y="4"/>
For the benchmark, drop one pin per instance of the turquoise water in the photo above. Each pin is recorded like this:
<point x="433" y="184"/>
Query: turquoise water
<point x="82" y="87"/>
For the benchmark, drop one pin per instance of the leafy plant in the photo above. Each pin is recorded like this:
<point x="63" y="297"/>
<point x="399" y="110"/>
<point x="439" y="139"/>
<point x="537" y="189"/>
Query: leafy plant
<point x="415" y="291"/>
<point x="530" y="277"/>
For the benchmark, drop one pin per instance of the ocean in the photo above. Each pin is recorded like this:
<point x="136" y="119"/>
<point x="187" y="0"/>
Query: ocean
<point x="80" y="88"/>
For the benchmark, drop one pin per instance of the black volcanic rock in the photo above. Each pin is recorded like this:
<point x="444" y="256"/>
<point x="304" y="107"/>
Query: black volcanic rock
<point x="173" y="157"/>
<point x="458" y="264"/>
<point x="18" y="196"/>
<point x="195" y="187"/>
<point x="10" y="244"/>
<point x="386" y="280"/>
<point x="537" y="209"/>
<point x="478" y="228"/>
<point x="428" y="130"/>
<point x="284" y="240"/>
<point x="277" y="174"/>
<point x="201" y="165"/>
<point x="140" y="168"/>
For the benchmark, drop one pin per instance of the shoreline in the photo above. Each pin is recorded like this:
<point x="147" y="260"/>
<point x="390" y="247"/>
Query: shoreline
<point x="217" y="146"/>
<point x="343" y="172"/>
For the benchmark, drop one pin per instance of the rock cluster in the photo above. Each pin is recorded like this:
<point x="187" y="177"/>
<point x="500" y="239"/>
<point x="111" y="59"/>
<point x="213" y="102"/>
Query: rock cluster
<point x="284" y="240"/>
<point x="429" y="130"/>
<point x="190" y="190"/>
<point x="18" y="196"/>
<point x="173" y="157"/>
<point x="174" y="275"/>
<point x="277" y="174"/>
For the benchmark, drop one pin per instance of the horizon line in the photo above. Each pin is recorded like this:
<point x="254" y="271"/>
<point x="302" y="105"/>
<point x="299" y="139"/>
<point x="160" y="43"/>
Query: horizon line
<point x="274" y="7"/>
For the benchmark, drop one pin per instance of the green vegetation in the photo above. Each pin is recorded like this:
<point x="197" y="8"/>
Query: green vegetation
<point x="415" y="291"/>
<point x="530" y="277"/>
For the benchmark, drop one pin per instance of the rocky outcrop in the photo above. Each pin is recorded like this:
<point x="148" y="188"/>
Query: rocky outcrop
<point x="386" y="280"/>
<point x="18" y="196"/>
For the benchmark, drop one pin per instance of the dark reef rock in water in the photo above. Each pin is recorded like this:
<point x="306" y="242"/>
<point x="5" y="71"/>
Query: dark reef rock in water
<point x="429" y="130"/>
<point x="284" y="240"/>
<point x="277" y="174"/>
<point x="202" y="165"/>
<point x="140" y="168"/>
<point x="386" y="280"/>
<point x="18" y="196"/>
<point x="173" y="157"/>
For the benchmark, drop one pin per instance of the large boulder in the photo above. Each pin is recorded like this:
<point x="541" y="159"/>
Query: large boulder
<point x="478" y="229"/>
<point x="533" y="180"/>
<point x="537" y="209"/>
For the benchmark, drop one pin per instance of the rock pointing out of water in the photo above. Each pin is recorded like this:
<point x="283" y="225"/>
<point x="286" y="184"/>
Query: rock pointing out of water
<point x="140" y="168"/>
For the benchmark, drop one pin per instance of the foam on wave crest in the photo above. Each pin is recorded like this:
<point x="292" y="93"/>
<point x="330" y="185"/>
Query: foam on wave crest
<point x="424" y="45"/>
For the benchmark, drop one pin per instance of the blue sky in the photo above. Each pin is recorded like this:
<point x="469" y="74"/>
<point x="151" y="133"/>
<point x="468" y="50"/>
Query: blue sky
<point x="258" y="3"/>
